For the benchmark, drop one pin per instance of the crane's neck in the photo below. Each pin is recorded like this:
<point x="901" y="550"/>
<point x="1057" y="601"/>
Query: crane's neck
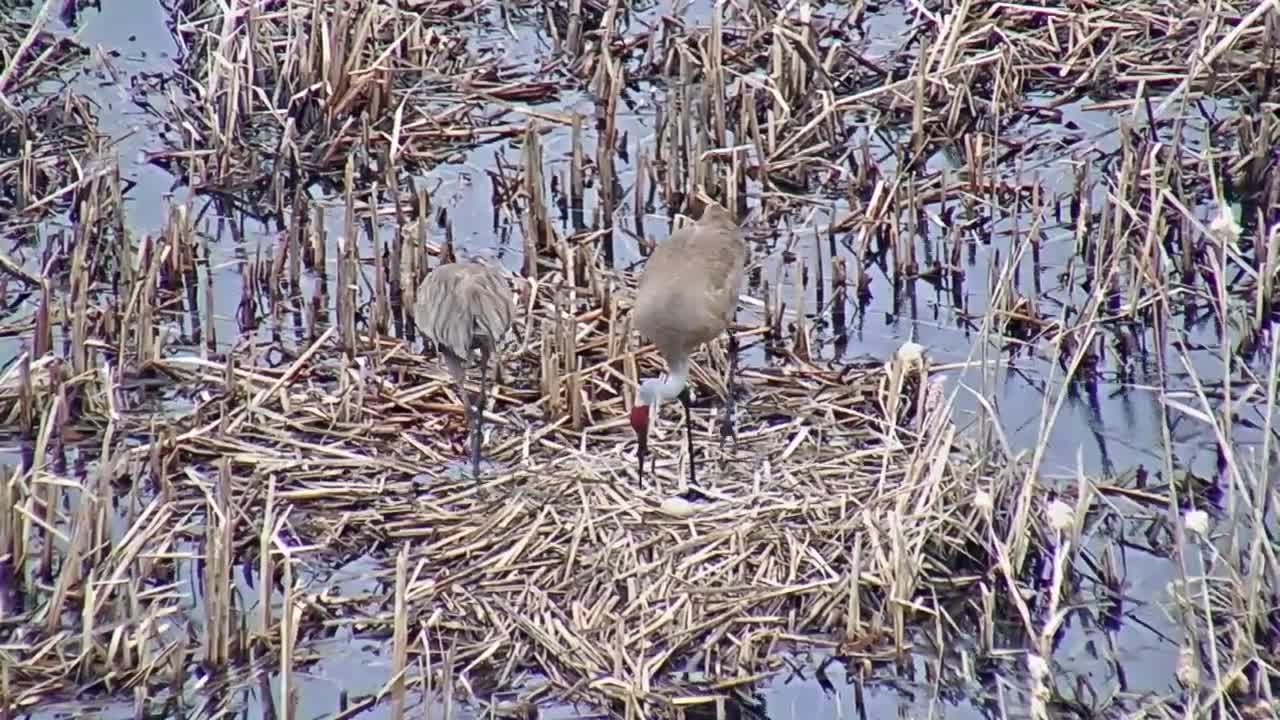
<point x="654" y="391"/>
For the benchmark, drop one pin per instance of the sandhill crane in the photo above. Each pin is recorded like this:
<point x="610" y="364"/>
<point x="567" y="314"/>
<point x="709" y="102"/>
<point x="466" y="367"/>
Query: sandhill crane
<point x="463" y="306"/>
<point x="688" y="295"/>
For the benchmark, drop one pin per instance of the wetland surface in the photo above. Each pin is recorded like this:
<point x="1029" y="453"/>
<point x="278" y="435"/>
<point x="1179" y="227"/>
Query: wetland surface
<point x="1093" y="289"/>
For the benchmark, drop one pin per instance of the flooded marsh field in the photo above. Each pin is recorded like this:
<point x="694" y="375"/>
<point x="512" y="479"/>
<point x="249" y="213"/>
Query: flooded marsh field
<point x="1006" y="360"/>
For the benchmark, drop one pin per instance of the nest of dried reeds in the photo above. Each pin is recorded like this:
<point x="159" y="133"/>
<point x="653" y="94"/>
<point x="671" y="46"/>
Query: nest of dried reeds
<point x="844" y="508"/>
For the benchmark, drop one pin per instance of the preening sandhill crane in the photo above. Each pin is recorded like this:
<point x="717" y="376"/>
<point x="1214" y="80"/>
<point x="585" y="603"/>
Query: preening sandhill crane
<point x="688" y="295"/>
<point x="465" y="306"/>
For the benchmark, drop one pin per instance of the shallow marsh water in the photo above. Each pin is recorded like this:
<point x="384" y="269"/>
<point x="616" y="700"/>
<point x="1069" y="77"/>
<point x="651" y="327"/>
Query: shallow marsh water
<point x="1113" y="432"/>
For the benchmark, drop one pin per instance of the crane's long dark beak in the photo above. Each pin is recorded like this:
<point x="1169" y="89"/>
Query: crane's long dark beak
<point x="640" y="423"/>
<point x="641" y="452"/>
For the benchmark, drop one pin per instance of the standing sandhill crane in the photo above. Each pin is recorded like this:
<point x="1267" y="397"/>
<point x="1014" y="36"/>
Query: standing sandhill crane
<point x="463" y="306"/>
<point x="688" y="295"/>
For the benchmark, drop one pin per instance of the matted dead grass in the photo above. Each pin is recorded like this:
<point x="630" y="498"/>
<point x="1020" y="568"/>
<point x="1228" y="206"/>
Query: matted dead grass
<point x="827" y="524"/>
<point x="46" y="139"/>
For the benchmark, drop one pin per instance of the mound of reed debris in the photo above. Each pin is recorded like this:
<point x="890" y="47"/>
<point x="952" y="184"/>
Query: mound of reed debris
<point x="846" y="504"/>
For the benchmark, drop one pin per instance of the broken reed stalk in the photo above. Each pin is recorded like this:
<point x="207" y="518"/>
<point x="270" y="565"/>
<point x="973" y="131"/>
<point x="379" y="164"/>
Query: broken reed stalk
<point x="576" y="181"/>
<point x="290" y="614"/>
<point x="266" y="560"/>
<point x="47" y="494"/>
<point x="381" y="290"/>
<point x="12" y="556"/>
<point x="537" y="228"/>
<point x="348" y="264"/>
<point x="400" y="636"/>
<point x="219" y="546"/>
<point x="613" y="73"/>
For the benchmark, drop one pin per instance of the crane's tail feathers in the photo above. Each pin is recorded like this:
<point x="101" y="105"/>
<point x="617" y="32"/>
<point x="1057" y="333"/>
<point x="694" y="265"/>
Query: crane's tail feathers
<point x="462" y="310"/>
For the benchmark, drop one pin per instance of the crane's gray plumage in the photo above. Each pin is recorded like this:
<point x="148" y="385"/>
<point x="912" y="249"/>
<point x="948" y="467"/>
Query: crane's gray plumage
<point x="689" y="291"/>
<point x="688" y="294"/>
<point x="465" y="306"/>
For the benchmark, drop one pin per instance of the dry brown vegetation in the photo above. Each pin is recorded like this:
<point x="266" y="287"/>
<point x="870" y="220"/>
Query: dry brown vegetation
<point x="167" y="450"/>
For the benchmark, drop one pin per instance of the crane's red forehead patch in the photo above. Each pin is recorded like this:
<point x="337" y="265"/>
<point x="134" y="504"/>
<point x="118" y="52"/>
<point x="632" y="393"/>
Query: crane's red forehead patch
<point x="640" y="418"/>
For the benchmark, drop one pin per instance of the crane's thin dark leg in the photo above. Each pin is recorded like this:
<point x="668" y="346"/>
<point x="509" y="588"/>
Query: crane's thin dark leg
<point x="688" y="435"/>
<point x="479" y="428"/>
<point x="727" y="428"/>
<point x="459" y="372"/>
